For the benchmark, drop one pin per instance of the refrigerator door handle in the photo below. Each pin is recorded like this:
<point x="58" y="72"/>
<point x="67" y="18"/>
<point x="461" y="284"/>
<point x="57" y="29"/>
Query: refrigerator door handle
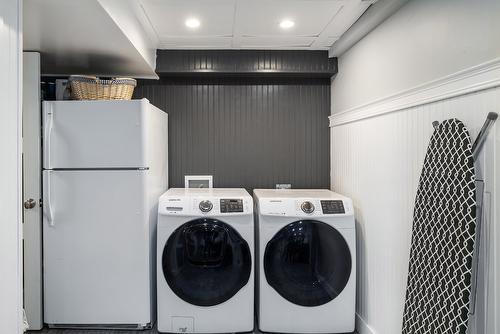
<point x="49" y="120"/>
<point x="47" y="205"/>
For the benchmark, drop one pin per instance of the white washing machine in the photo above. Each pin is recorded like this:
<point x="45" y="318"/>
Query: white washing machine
<point x="205" y="270"/>
<point x="306" y="251"/>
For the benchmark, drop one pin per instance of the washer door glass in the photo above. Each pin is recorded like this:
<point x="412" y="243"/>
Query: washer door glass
<point x="206" y="262"/>
<point x="308" y="263"/>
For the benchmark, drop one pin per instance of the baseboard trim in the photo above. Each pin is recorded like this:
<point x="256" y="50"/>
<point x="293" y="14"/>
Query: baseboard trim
<point x="470" y="80"/>
<point x="362" y="327"/>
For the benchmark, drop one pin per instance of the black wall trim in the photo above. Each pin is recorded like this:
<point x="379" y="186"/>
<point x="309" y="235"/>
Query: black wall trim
<point x="232" y="80"/>
<point x="272" y="63"/>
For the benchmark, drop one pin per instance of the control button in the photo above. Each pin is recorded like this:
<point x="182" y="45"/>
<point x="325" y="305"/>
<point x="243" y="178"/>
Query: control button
<point x="205" y="206"/>
<point x="307" y="207"/>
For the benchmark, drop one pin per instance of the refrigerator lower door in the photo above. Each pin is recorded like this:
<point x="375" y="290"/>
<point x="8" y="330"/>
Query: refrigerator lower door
<point x="96" y="248"/>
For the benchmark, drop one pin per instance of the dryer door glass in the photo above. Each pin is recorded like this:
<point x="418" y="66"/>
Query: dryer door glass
<point x="308" y="263"/>
<point x="206" y="262"/>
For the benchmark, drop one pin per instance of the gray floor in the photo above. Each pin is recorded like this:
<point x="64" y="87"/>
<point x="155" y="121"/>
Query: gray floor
<point x="92" y="331"/>
<point x="98" y="331"/>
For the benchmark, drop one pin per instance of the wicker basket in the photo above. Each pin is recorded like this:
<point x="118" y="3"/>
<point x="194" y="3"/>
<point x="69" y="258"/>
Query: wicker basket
<point x="93" y="88"/>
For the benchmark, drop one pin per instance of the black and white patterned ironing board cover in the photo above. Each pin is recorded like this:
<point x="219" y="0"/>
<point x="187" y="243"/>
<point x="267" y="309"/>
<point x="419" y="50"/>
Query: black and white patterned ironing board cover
<point x="444" y="226"/>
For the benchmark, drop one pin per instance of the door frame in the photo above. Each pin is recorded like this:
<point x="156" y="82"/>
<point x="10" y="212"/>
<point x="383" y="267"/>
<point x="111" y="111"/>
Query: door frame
<point x="11" y="288"/>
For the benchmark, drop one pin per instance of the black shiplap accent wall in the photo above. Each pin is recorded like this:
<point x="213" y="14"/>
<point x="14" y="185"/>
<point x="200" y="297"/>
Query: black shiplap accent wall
<point x="251" y="133"/>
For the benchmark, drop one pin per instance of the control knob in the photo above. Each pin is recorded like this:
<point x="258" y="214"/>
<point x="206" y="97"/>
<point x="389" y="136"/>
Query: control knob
<point x="307" y="207"/>
<point x="205" y="206"/>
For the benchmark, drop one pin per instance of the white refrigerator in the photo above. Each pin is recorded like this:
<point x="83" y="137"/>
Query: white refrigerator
<point x="104" y="167"/>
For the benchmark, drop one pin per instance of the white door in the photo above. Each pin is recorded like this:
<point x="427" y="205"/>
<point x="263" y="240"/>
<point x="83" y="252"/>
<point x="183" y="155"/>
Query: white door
<point x="96" y="254"/>
<point x="32" y="215"/>
<point x="94" y="134"/>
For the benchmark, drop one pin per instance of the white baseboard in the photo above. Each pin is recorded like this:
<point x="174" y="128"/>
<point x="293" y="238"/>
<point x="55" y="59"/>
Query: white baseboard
<point x="470" y="80"/>
<point x="362" y="327"/>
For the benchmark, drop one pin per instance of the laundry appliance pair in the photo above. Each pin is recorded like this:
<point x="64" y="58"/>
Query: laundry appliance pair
<point x="294" y="250"/>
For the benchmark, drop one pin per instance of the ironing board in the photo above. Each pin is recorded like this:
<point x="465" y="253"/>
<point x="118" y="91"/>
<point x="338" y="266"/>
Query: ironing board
<point x="444" y="226"/>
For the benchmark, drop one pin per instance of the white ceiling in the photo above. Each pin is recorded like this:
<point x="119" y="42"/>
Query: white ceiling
<point x="249" y="24"/>
<point x="120" y="37"/>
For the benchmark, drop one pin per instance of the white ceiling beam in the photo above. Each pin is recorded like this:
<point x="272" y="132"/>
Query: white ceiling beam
<point x="126" y="14"/>
<point x="375" y="15"/>
<point x="82" y="37"/>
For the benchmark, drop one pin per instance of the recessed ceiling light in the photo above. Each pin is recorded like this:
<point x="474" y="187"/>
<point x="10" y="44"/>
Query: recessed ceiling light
<point x="287" y="24"/>
<point x="192" y="23"/>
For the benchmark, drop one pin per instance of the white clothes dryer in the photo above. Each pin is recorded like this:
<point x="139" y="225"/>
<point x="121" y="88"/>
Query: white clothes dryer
<point x="306" y="253"/>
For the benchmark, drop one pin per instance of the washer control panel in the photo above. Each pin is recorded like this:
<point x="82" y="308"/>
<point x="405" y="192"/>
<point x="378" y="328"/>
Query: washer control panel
<point x="331" y="207"/>
<point x="206" y="202"/>
<point x="230" y="205"/>
<point x="207" y="206"/>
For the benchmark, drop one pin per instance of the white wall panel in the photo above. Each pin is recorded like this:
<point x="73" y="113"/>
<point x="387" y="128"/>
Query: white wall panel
<point x="377" y="161"/>
<point x="423" y="41"/>
<point x="10" y="167"/>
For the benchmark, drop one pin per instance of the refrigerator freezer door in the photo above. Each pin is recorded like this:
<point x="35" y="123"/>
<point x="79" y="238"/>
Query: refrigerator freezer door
<point x="96" y="248"/>
<point x="95" y="134"/>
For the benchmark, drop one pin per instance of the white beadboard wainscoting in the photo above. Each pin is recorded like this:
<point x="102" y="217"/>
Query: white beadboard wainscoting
<point x="11" y="255"/>
<point x="376" y="159"/>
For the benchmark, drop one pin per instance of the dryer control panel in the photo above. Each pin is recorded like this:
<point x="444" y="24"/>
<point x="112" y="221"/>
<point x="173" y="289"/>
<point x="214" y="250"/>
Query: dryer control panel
<point x="305" y="207"/>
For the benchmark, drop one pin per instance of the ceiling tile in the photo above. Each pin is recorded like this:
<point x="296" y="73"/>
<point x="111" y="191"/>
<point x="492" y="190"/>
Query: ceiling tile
<point x="275" y="42"/>
<point x="262" y="17"/>
<point x="168" y="17"/>
<point x="201" y="42"/>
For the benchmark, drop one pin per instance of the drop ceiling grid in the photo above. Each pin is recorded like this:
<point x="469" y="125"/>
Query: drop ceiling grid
<point x="251" y="24"/>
